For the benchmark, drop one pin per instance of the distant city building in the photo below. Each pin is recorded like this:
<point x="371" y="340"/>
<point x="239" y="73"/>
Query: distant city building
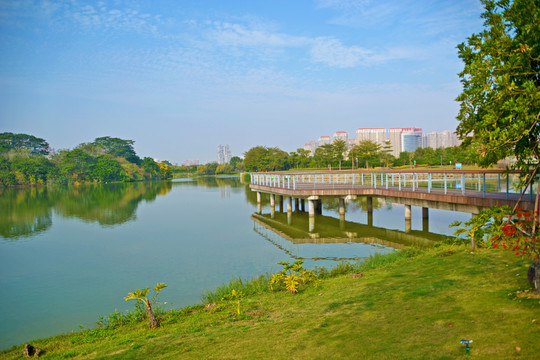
<point x="323" y="140"/>
<point x="190" y="162"/>
<point x="377" y="135"/>
<point x="405" y="139"/>
<point x="342" y="135"/>
<point x="224" y="154"/>
<point x="443" y="139"/>
<point x="311" y="146"/>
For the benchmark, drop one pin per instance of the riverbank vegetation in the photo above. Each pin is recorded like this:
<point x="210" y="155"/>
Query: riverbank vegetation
<point x="408" y="304"/>
<point x="27" y="160"/>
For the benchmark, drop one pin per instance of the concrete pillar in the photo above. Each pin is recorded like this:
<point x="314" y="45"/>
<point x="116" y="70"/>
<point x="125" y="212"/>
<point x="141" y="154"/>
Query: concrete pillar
<point x="258" y="197"/>
<point x="408" y="224"/>
<point x="407" y="212"/>
<point x="273" y="201"/>
<point x="311" y="204"/>
<point x="341" y="207"/>
<point x="259" y="208"/>
<point x="303" y="204"/>
<point x="289" y="218"/>
<point x="425" y="224"/>
<point x="341" y="221"/>
<point x="369" y="204"/>
<point x="370" y="218"/>
<point x="296" y="203"/>
<point x="289" y="205"/>
<point x="311" y="223"/>
<point x="280" y="203"/>
<point x="425" y="213"/>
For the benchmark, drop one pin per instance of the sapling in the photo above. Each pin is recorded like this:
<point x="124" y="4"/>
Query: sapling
<point x="142" y="295"/>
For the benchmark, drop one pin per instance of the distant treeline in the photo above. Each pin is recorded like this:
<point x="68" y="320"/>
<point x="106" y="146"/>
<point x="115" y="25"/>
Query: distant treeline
<point x="366" y="154"/>
<point x="27" y="160"/>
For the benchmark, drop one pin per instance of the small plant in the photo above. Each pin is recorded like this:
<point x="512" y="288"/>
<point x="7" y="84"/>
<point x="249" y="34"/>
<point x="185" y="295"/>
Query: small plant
<point x="235" y="295"/>
<point x="292" y="275"/>
<point x="142" y="295"/>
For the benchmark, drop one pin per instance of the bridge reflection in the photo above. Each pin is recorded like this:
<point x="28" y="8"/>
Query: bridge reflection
<point x="333" y="239"/>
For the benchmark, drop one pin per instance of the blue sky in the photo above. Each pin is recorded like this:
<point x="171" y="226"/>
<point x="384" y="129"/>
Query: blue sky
<point x="181" y="77"/>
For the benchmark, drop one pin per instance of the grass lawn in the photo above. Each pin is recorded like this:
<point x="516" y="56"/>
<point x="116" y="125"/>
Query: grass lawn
<point x="412" y="308"/>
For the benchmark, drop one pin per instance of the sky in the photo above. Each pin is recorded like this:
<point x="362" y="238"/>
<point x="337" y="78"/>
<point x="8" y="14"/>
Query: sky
<point x="180" y="77"/>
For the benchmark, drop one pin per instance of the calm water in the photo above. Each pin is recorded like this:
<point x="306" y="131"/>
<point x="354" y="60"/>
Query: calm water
<point x="68" y="255"/>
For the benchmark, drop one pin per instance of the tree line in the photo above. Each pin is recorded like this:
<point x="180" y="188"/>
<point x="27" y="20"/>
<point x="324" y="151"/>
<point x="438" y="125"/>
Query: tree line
<point x="365" y="154"/>
<point x="27" y="160"/>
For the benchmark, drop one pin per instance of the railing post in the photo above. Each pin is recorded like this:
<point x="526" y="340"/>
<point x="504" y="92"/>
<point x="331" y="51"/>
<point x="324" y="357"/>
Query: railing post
<point x="413" y="182"/>
<point x="393" y="179"/>
<point x="484" y="193"/>
<point x="445" y="188"/>
<point x="463" y="183"/>
<point x="399" y="180"/>
<point x="362" y="178"/>
<point x="353" y="179"/>
<point x="387" y="181"/>
<point x="479" y="184"/>
<point x="499" y="182"/>
<point x="374" y="176"/>
<point x="507" y="185"/>
<point x="429" y="183"/>
<point x="404" y="180"/>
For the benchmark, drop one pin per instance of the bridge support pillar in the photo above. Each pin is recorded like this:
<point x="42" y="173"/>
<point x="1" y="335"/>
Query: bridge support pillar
<point x="296" y="203"/>
<point x="311" y="224"/>
<point x="319" y="207"/>
<point x="370" y="218"/>
<point x="341" y="207"/>
<point x="425" y="213"/>
<point x="407" y="212"/>
<point x="273" y="201"/>
<point x="280" y="203"/>
<point x="259" y="208"/>
<point x="303" y="204"/>
<point x="311" y="205"/>
<point x="369" y="204"/>
<point x="289" y="205"/>
<point x="258" y="197"/>
<point x="408" y="225"/>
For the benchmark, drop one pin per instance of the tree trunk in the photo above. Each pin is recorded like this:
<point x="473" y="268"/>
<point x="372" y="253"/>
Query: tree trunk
<point x="536" y="277"/>
<point x="153" y="321"/>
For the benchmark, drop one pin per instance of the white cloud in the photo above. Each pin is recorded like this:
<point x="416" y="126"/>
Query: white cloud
<point x="229" y="34"/>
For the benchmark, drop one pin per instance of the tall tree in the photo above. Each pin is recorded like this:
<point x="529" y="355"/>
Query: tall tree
<point x="118" y="147"/>
<point x="339" y="147"/>
<point x="500" y="102"/>
<point x="324" y="154"/>
<point x="366" y="150"/>
<point x="10" y="141"/>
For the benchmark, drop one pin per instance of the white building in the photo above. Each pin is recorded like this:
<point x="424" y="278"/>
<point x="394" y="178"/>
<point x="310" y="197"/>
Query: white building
<point x="311" y="146"/>
<point x="224" y="154"/>
<point x="377" y="135"/>
<point x="341" y="135"/>
<point x="323" y="140"/>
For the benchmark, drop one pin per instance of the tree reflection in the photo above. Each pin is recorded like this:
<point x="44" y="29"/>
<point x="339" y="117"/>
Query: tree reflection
<point x="24" y="212"/>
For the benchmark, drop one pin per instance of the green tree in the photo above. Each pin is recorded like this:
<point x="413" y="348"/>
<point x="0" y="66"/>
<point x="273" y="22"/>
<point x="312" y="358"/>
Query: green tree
<point x="10" y="141"/>
<point x="235" y="160"/>
<point x="303" y="157"/>
<point x="339" y="147"/>
<point x="278" y="159"/>
<point x="77" y="165"/>
<point x="151" y="168"/>
<point x="366" y="150"/>
<point x="500" y="102"/>
<point x="118" y="147"/>
<point x="324" y="154"/>
<point x="257" y="159"/>
<point x="106" y="169"/>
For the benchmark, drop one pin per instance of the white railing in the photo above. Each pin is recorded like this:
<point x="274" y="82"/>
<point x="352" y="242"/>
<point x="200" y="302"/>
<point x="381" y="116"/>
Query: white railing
<point x="455" y="182"/>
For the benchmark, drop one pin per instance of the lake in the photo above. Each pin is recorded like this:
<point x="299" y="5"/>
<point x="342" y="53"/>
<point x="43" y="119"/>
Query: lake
<point x="69" y="255"/>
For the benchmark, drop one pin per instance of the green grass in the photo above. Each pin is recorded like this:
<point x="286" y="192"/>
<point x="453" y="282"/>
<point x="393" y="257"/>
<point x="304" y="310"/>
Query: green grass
<point x="407" y="305"/>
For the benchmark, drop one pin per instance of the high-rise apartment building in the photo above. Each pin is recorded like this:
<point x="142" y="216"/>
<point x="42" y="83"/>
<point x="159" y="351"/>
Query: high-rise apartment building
<point x="342" y="135"/>
<point x="311" y="146"/>
<point x="377" y="135"/>
<point x="224" y="154"/>
<point x="443" y="139"/>
<point x="405" y="139"/>
<point x="323" y="140"/>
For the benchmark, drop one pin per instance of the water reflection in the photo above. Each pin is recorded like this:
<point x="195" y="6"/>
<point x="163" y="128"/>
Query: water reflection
<point x="25" y="212"/>
<point x="301" y="236"/>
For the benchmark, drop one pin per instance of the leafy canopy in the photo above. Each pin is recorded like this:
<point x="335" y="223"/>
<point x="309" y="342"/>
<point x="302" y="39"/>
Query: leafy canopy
<point x="500" y="102"/>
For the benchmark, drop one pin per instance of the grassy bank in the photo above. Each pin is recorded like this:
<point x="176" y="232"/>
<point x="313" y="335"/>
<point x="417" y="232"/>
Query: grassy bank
<point x="405" y="306"/>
